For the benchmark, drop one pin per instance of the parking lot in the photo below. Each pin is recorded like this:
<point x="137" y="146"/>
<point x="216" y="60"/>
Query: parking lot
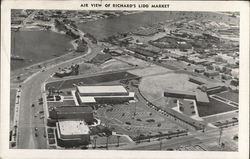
<point x="135" y="118"/>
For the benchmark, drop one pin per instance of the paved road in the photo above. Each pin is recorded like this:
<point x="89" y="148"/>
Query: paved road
<point x="192" y="139"/>
<point x="31" y="92"/>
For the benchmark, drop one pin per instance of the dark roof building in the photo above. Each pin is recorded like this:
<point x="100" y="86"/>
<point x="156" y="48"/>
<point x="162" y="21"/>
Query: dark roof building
<point x="211" y="73"/>
<point x="72" y="112"/>
<point x="200" y="96"/>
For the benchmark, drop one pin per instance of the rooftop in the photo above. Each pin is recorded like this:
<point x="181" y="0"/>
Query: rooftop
<point x="74" y="109"/>
<point x="211" y="85"/>
<point x="92" y="99"/>
<point x="171" y="91"/>
<point x="101" y="89"/>
<point x="73" y="127"/>
<point x="201" y="96"/>
<point x="87" y="99"/>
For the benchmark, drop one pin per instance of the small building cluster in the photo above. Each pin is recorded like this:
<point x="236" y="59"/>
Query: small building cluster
<point x="74" y="122"/>
<point x="70" y="71"/>
<point x="200" y="95"/>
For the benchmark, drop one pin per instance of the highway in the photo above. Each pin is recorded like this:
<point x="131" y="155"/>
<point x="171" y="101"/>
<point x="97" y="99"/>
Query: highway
<point x="31" y="92"/>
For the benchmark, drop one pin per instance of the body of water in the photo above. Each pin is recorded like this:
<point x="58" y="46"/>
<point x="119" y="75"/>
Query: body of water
<point x="37" y="46"/>
<point x="103" y="28"/>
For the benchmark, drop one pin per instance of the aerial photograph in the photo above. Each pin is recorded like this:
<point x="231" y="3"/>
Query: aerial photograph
<point x="124" y="80"/>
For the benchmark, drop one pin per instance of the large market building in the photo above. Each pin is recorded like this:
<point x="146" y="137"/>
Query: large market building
<point x="103" y="94"/>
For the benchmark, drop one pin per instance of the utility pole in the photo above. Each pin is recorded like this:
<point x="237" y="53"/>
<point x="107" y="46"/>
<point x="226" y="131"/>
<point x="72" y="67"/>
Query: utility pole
<point x="221" y="131"/>
<point x="107" y="142"/>
<point x="118" y="140"/>
<point x="160" y="143"/>
<point x="135" y="109"/>
<point x="203" y="128"/>
<point x="95" y="137"/>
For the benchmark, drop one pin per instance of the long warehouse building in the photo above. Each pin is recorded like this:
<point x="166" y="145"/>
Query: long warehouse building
<point x="103" y="94"/>
<point x="200" y="96"/>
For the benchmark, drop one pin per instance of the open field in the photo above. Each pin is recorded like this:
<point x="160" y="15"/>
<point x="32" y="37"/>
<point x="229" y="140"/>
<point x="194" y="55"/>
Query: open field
<point x="12" y="104"/>
<point x="107" y="77"/>
<point x="83" y="68"/>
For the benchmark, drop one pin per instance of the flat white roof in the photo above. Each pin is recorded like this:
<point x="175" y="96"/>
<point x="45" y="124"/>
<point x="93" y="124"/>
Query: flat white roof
<point x="101" y="89"/>
<point x="73" y="127"/>
<point x="87" y="99"/>
<point x="91" y="99"/>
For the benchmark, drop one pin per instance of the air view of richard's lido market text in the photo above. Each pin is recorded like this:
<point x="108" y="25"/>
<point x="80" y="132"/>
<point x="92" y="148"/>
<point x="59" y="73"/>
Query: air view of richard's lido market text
<point x="124" y="80"/>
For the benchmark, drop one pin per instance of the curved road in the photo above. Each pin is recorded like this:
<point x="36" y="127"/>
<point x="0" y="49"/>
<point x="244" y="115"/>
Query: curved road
<point x="31" y="92"/>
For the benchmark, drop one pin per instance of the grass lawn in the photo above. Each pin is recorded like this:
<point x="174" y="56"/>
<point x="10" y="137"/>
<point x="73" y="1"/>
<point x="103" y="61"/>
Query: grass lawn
<point x="230" y="96"/>
<point x="214" y="107"/>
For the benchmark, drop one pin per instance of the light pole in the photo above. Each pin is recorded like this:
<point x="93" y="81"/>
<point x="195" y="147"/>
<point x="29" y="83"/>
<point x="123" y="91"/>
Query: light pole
<point x="107" y="142"/>
<point x="160" y="143"/>
<point x="95" y="137"/>
<point x="118" y="140"/>
<point x="221" y="131"/>
<point x="203" y="128"/>
<point x="135" y="109"/>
